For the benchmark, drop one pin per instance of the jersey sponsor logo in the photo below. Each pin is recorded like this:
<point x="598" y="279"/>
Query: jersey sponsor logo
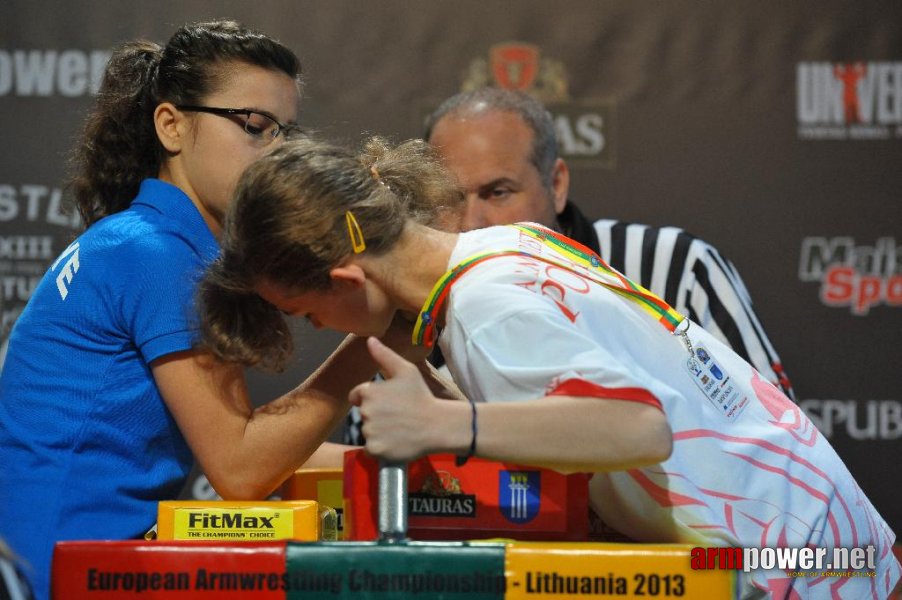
<point x="849" y="100"/>
<point x="584" y="126"/>
<point x="441" y="496"/>
<point x="519" y="495"/>
<point x="68" y="270"/>
<point x="859" y="277"/>
<point x="68" y="73"/>
<point x="859" y="420"/>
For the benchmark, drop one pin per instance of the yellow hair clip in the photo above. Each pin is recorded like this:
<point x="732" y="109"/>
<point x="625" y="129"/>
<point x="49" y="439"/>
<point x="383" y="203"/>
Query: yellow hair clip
<point x="357" y="241"/>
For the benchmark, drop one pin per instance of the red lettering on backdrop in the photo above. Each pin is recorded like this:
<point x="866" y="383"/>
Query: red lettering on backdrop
<point x="844" y="286"/>
<point x="837" y="288"/>
<point x="894" y="290"/>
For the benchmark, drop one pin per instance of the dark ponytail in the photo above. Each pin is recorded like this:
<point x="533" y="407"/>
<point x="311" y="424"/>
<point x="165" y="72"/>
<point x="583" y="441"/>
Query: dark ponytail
<point x="119" y="146"/>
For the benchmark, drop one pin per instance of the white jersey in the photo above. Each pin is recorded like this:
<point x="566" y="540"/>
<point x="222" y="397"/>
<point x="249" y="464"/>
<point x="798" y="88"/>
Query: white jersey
<point x="748" y="468"/>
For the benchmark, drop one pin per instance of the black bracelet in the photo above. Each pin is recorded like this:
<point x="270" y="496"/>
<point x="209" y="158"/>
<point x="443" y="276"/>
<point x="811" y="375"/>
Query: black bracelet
<point x="461" y="460"/>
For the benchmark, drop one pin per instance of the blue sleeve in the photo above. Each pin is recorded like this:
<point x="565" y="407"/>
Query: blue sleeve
<point x="157" y="294"/>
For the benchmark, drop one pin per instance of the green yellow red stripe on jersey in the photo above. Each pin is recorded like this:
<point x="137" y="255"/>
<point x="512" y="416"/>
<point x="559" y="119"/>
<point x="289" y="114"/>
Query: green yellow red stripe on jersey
<point x="597" y="271"/>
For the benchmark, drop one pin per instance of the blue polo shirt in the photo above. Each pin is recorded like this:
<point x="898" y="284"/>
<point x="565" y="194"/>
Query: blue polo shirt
<point x="87" y="446"/>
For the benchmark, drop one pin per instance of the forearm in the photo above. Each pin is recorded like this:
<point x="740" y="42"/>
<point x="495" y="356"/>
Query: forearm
<point x="291" y="431"/>
<point x="247" y="452"/>
<point x="328" y="456"/>
<point x="272" y="446"/>
<point x="403" y="420"/>
<point x="279" y="438"/>
<point x="565" y="433"/>
<point x="440" y="386"/>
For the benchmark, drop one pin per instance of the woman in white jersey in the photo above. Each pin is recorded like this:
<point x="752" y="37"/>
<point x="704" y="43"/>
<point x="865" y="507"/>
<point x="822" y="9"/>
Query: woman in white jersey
<point x="566" y="363"/>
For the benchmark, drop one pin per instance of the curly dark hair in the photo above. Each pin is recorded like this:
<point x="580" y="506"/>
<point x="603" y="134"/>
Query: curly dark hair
<point x="119" y="145"/>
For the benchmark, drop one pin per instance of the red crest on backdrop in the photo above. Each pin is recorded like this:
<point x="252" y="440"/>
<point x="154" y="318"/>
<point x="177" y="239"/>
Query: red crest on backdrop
<point x="515" y="66"/>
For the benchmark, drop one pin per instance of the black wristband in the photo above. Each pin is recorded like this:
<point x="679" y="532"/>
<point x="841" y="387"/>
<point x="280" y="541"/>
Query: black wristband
<point x="461" y="460"/>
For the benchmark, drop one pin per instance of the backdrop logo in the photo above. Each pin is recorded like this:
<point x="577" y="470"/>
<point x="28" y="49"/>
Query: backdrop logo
<point x="515" y="66"/>
<point x="871" y="420"/>
<point x="34" y="224"/>
<point x="859" y="277"/>
<point x="519" y="66"/>
<point x="51" y="72"/>
<point x="855" y="100"/>
<point x="584" y="126"/>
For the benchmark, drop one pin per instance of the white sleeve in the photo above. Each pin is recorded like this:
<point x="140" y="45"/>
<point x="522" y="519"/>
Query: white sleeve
<point x="535" y="351"/>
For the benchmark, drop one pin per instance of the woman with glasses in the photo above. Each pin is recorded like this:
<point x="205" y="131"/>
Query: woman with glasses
<point x="103" y="398"/>
<point x="567" y="364"/>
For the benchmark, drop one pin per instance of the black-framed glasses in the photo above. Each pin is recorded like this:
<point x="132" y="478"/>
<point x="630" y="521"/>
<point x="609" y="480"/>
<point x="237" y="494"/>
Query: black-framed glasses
<point x="257" y="125"/>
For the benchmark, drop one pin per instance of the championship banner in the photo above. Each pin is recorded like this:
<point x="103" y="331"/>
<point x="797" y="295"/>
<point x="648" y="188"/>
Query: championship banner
<point x="355" y="570"/>
<point x="562" y="570"/>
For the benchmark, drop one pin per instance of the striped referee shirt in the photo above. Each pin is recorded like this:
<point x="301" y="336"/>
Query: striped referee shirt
<point x="690" y="275"/>
<point x="13" y="585"/>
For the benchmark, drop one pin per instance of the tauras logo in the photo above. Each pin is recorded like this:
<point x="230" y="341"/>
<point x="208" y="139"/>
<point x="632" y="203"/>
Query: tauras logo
<point x="455" y="505"/>
<point x="227" y="520"/>
<point x="50" y="72"/>
<point x="440" y="496"/>
<point x="857" y="276"/>
<point x="854" y="100"/>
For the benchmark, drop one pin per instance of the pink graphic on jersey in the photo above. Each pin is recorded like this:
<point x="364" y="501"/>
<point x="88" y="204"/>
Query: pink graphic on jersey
<point x="795" y="482"/>
<point x="663" y="496"/>
<point x="777" y="404"/>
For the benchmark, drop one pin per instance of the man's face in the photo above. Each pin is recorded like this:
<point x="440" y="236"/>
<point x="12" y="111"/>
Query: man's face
<point x="489" y="153"/>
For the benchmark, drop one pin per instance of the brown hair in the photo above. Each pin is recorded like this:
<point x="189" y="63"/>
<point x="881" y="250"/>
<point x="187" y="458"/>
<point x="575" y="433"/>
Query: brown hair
<point x="119" y="146"/>
<point x="288" y="225"/>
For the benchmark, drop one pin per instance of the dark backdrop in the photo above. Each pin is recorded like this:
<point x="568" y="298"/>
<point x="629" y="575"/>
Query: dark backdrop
<point x="730" y="119"/>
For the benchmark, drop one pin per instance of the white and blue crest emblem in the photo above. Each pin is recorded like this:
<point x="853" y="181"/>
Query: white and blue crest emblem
<point x="519" y="495"/>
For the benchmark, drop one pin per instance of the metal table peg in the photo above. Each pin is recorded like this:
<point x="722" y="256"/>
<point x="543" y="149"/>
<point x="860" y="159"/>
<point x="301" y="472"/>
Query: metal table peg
<point x="392" y="501"/>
